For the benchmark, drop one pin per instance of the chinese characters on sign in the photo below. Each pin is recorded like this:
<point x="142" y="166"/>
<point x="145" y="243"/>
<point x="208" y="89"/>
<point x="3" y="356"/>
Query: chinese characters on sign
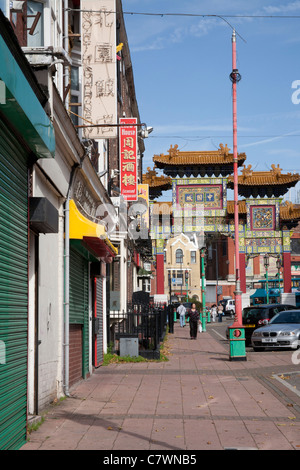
<point x="209" y="195"/>
<point x="128" y="159"/>
<point x="99" y="68"/>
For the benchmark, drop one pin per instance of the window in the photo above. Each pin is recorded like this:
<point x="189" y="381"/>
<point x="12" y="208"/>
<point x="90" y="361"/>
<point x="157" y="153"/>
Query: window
<point x="179" y="256"/>
<point x="27" y="23"/>
<point x="146" y="285"/>
<point x="35" y="33"/>
<point x="193" y="257"/>
<point x="179" y="278"/>
<point x="147" y="266"/>
<point x="75" y="94"/>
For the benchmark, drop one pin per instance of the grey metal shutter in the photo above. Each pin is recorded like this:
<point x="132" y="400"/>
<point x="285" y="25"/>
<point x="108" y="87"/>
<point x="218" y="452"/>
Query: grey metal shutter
<point x="210" y="295"/>
<point x="99" y="293"/>
<point x="79" y="302"/>
<point x="13" y="290"/>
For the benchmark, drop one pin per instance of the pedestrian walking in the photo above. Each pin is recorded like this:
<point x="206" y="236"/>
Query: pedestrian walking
<point x="220" y="312"/>
<point x="213" y="312"/>
<point x="182" y="311"/>
<point x="194" y="317"/>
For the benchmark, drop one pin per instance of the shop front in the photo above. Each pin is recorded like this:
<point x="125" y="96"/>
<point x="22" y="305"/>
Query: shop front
<point x="90" y="251"/>
<point x="26" y="134"/>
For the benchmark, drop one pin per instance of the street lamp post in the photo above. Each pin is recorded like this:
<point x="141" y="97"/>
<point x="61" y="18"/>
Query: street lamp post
<point x="170" y="286"/>
<point x="266" y="264"/>
<point x="170" y="309"/>
<point x="187" y="284"/>
<point x="203" y="252"/>
<point x="217" y="279"/>
<point x="181" y="274"/>
<point x="278" y="266"/>
<point x="236" y="331"/>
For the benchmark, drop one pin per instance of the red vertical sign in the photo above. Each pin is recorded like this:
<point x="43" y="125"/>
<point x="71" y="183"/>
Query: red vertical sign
<point x="128" y="159"/>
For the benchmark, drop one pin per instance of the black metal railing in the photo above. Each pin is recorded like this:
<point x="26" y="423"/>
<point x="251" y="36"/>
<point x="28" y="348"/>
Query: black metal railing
<point x="146" y="323"/>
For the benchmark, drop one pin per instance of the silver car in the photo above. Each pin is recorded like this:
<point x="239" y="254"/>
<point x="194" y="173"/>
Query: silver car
<point x="283" y="331"/>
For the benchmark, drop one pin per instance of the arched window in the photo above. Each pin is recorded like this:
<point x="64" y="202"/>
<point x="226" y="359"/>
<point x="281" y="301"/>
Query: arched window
<point x="179" y="256"/>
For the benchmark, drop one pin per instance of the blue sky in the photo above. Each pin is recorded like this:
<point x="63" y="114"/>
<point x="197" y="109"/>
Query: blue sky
<point x="181" y="68"/>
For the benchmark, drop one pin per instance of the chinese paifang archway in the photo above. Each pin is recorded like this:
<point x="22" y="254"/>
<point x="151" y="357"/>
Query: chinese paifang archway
<point x="203" y="179"/>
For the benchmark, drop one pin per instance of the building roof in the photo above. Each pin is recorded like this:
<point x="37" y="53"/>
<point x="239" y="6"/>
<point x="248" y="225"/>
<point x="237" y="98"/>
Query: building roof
<point x="157" y="184"/>
<point x="163" y="208"/>
<point x="215" y="162"/>
<point x="288" y="211"/>
<point x="241" y="205"/>
<point x="155" y="181"/>
<point x="263" y="183"/>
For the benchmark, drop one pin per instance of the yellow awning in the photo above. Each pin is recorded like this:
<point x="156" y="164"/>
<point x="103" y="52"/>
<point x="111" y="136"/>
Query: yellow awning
<point x="92" y="234"/>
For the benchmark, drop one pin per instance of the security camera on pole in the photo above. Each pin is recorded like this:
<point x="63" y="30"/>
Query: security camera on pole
<point x="236" y="330"/>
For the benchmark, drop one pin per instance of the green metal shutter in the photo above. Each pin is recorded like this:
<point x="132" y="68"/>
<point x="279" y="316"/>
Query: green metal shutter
<point x="13" y="291"/>
<point x="99" y="293"/>
<point x="79" y="302"/>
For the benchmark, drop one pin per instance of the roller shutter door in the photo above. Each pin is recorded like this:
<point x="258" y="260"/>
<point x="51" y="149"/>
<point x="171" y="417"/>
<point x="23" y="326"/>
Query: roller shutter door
<point x="211" y="294"/>
<point x="99" y="333"/>
<point x="79" y="308"/>
<point x="13" y="290"/>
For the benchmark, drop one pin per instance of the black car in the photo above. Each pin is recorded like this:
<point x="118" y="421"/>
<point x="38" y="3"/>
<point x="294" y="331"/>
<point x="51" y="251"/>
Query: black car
<point x="260" y="315"/>
<point x="187" y="305"/>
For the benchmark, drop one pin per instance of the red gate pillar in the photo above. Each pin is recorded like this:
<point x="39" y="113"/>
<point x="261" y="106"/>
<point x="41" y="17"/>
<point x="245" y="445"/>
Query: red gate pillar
<point x="287" y="276"/>
<point x="243" y="272"/>
<point x="160" y="288"/>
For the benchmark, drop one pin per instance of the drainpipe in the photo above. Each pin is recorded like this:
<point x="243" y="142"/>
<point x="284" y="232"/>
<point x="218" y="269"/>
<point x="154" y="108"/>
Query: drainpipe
<point x="66" y="47"/>
<point x="67" y="294"/>
<point x="67" y="280"/>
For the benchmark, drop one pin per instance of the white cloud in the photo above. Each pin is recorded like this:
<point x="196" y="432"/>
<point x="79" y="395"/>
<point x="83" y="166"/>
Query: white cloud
<point x="156" y="33"/>
<point x="182" y="128"/>
<point x="287" y="8"/>
<point x="266" y="141"/>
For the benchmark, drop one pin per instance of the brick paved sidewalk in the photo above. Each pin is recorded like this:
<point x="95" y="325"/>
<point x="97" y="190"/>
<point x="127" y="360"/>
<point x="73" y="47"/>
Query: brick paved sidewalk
<point x="198" y="400"/>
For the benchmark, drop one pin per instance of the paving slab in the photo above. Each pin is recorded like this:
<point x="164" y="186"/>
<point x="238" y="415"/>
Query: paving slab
<point x="197" y="400"/>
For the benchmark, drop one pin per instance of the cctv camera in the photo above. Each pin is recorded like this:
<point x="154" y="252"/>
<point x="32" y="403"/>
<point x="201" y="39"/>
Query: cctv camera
<point x="145" y="132"/>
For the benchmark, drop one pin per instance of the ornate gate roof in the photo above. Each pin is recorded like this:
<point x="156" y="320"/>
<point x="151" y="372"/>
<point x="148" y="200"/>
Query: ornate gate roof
<point x="264" y="183"/>
<point x="157" y="184"/>
<point x="198" y="163"/>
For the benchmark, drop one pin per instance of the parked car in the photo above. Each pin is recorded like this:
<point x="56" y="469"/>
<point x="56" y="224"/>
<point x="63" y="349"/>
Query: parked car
<point x="283" y="331"/>
<point x="188" y="305"/>
<point x="259" y="315"/>
<point x="229" y="308"/>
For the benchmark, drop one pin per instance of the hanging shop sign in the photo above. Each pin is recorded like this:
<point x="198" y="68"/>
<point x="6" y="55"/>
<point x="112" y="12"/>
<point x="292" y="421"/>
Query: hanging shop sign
<point x="143" y="198"/>
<point x="99" y="68"/>
<point x="128" y="159"/>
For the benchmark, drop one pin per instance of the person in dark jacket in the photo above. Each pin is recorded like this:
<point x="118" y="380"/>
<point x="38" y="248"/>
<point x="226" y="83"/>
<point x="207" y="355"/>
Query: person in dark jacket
<point x="194" y="317"/>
